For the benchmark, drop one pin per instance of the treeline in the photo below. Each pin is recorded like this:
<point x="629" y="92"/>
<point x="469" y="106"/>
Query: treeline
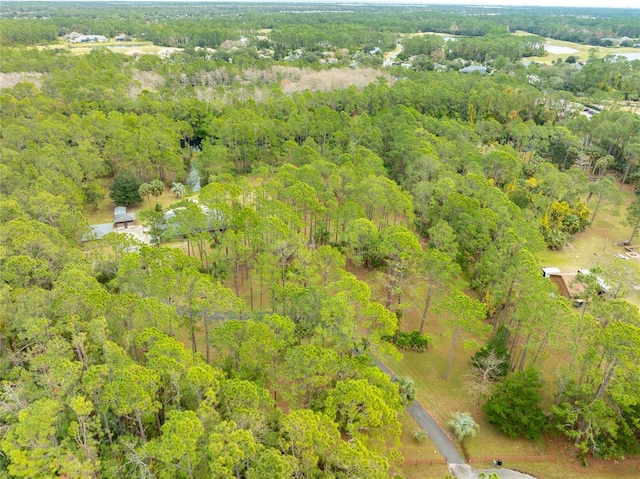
<point x="479" y="50"/>
<point x="590" y="27"/>
<point x="207" y="25"/>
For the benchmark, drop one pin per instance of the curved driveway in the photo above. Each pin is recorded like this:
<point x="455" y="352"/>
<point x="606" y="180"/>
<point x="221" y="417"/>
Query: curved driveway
<point x="426" y="422"/>
<point x="457" y="465"/>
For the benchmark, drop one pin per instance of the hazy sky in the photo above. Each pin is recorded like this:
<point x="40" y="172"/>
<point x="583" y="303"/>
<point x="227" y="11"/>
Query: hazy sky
<point x="540" y="3"/>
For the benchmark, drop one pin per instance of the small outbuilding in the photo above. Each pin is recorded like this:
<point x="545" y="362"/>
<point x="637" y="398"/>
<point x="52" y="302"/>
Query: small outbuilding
<point x="122" y="219"/>
<point x="548" y="271"/>
<point x="567" y="286"/>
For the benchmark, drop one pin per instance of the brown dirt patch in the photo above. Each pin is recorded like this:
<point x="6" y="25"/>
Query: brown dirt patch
<point x="301" y="79"/>
<point x="148" y="80"/>
<point x="9" y="80"/>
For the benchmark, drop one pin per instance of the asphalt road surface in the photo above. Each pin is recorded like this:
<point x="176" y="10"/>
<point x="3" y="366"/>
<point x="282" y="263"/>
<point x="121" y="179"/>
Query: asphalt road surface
<point x="426" y="422"/>
<point x="464" y="471"/>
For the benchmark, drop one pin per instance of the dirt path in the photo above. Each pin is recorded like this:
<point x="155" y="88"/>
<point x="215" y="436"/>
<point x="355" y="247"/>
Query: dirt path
<point x="391" y="56"/>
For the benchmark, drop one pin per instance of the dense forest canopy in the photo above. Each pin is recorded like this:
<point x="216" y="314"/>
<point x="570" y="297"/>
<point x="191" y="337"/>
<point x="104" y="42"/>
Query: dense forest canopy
<point x="167" y="23"/>
<point x="295" y="228"/>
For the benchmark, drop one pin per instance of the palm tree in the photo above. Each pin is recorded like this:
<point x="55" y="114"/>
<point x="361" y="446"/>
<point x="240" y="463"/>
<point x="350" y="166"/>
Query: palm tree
<point x="178" y="189"/>
<point x="463" y="426"/>
<point x="406" y="389"/>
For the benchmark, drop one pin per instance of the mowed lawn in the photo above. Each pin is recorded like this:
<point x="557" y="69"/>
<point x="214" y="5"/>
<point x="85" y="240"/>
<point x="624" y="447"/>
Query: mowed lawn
<point x="418" y="456"/>
<point x="597" y="244"/>
<point x="104" y="213"/>
<point x="441" y="398"/>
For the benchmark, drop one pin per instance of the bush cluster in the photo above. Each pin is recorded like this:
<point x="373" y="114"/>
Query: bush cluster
<point x="409" y="341"/>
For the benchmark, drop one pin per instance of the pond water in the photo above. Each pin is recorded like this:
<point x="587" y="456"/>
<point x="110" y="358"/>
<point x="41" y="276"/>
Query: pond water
<point x="558" y="49"/>
<point x="630" y="56"/>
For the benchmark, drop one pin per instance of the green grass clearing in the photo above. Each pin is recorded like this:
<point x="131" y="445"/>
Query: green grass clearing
<point x="581" y="51"/>
<point x="597" y="244"/>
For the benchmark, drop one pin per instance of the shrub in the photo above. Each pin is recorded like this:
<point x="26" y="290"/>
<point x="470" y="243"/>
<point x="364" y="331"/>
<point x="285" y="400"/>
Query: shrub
<point x="124" y="191"/>
<point x="406" y="389"/>
<point x="556" y="239"/>
<point x="499" y="345"/>
<point x="419" y="435"/>
<point x="515" y="405"/>
<point x="463" y="425"/>
<point x="411" y="341"/>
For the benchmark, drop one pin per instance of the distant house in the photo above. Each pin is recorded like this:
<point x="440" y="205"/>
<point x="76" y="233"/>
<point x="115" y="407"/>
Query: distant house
<point x="122" y="38"/>
<point x="604" y="288"/>
<point x="75" y="37"/>
<point x="473" y="69"/>
<point x="569" y="287"/>
<point x="98" y="232"/>
<point x="121" y="219"/>
<point x="216" y="221"/>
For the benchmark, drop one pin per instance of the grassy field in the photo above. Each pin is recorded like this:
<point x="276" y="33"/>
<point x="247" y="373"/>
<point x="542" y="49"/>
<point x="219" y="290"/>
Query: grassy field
<point x="441" y="398"/>
<point x="104" y="213"/>
<point x="597" y="244"/>
<point x="581" y="51"/>
<point x="118" y="47"/>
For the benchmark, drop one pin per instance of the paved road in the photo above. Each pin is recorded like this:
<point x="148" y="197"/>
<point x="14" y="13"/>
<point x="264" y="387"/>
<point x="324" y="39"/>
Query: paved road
<point x="437" y="435"/>
<point x="464" y="471"/>
<point x="426" y="422"/>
